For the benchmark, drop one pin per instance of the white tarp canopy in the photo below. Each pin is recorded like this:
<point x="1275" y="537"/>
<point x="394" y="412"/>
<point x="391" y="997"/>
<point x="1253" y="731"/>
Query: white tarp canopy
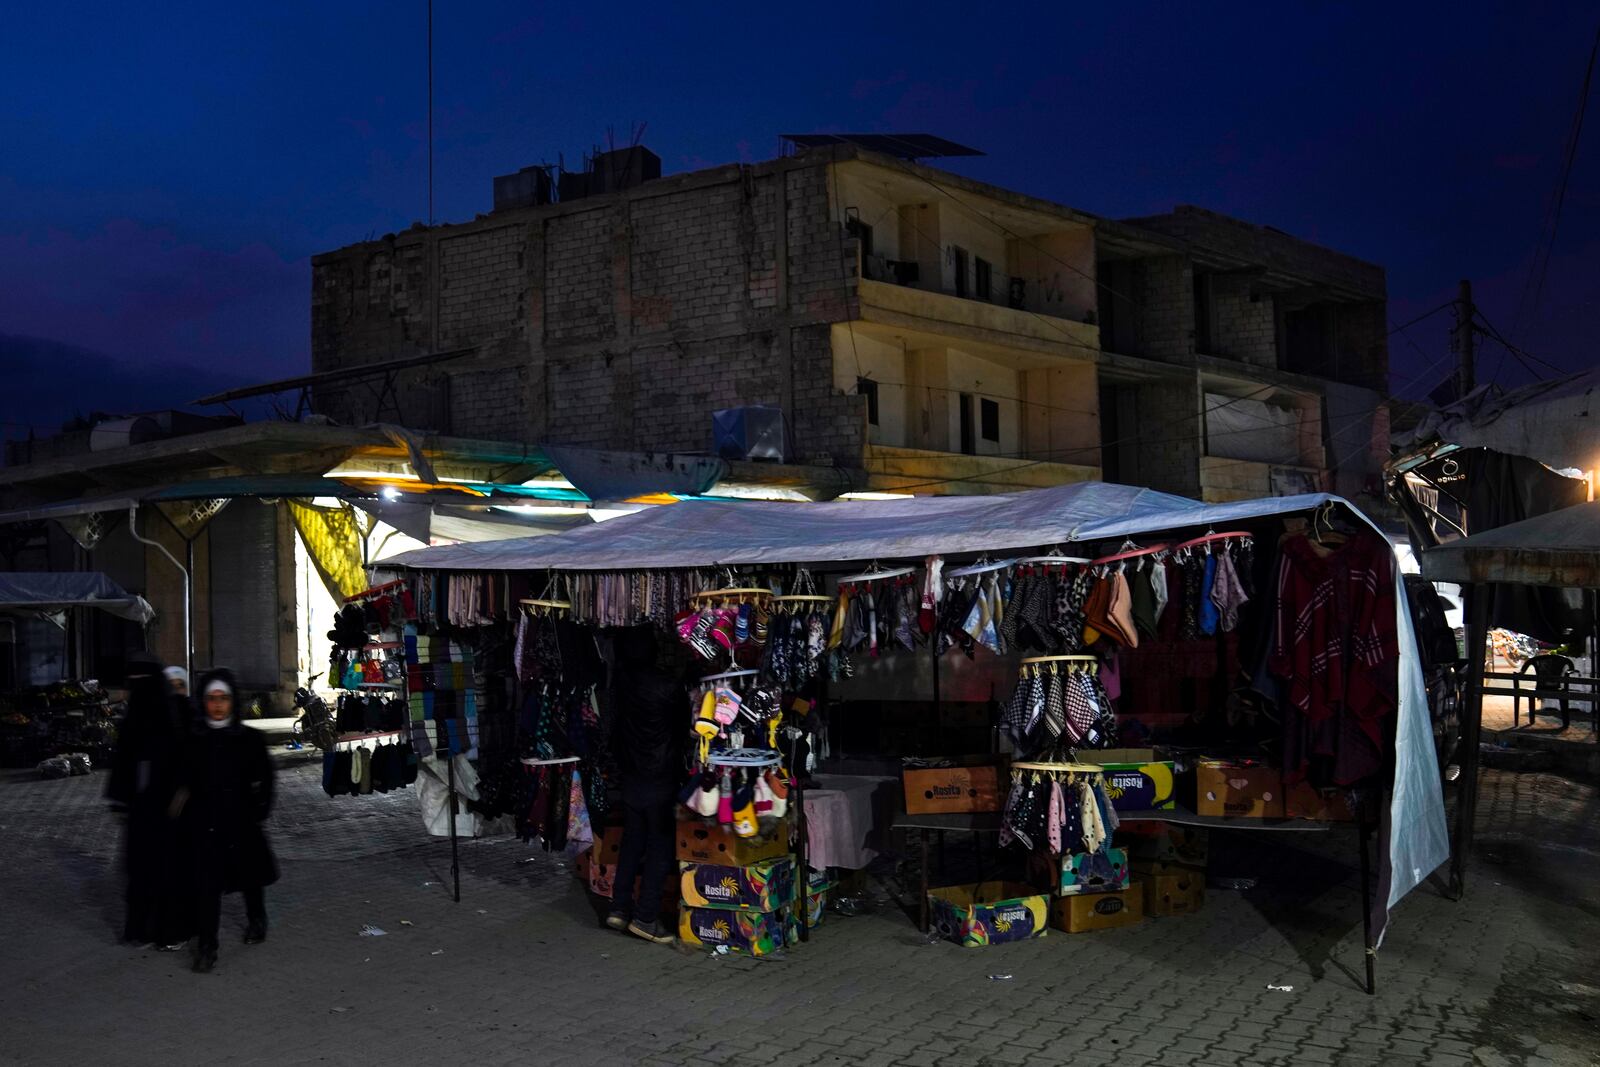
<point x="701" y="533"/>
<point x="55" y="590"/>
<point x="704" y="533"/>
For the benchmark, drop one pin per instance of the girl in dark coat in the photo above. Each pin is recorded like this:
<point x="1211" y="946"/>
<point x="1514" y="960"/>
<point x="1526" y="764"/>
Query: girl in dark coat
<point x="226" y="796"/>
<point x="144" y="776"/>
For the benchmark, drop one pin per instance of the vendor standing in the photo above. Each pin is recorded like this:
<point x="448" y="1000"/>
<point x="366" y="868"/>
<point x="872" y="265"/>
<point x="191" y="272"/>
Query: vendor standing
<point x="226" y="796"/>
<point x="144" y="775"/>
<point x="649" y="707"/>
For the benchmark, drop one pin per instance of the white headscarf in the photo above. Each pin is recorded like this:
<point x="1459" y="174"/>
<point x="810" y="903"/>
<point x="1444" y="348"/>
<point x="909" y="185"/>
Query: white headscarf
<point x="217" y="685"/>
<point x="177" y="674"/>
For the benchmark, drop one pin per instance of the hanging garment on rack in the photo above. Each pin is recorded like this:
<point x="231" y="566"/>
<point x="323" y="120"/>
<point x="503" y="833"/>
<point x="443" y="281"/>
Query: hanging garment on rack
<point x="1208" y="615"/>
<point x="1158" y="592"/>
<point x="1058" y="816"/>
<point x="1142" y="595"/>
<point x="1227" y="593"/>
<point x="1335" y="646"/>
<point x="1193" y="571"/>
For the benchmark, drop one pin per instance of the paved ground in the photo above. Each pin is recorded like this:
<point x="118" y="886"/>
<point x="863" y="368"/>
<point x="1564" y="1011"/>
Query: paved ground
<point x="519" y="971"/>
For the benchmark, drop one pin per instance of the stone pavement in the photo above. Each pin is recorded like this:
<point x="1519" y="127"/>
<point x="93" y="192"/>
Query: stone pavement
<point x="520" y="971"/>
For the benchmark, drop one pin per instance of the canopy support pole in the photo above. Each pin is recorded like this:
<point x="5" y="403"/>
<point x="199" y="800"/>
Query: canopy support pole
<point x="188" y="585"/>
<point x="455" y="855"/>
<point x="1478" y="597"/>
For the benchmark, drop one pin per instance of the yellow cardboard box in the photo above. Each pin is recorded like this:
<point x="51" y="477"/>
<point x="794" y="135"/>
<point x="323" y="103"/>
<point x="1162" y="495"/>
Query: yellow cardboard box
<point x="1098" y="911"/>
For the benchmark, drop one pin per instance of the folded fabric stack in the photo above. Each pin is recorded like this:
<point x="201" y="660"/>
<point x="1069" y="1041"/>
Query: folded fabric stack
<point x="443" y="700"/>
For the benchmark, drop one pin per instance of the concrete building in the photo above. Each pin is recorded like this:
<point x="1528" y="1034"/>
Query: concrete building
<point x="929" y="332"/>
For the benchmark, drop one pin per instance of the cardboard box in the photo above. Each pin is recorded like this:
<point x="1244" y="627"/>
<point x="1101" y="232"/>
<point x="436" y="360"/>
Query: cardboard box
<point x="765" y="886"/>
<point x="759" y="933"/>
<point x="711" y="842"/>
<point x="1084" y="872"/>
<point x="817" y="904"/>
<point x="1304" y="801"/>
<point x="960" y="789"/>
<point x="604" y="855"/>
<point x="1135" y="779"/>
<point x="987" y="913"/>
<point x="1238" y="790"/>
<point x="1098" y="911"/>
<point x="1173" y="894"/>
<point x="1163" y="844"/>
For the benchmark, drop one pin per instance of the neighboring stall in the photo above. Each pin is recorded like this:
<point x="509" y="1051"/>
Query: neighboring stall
<point x="1559" y="550"/>
<point x="59" y="714"/>
<point x="792" y="599"/>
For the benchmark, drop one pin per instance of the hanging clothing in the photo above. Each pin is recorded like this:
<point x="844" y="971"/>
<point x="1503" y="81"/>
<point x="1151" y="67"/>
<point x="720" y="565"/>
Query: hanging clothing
<point x="1335" y="645"/>
<point x="1227" y="593"/>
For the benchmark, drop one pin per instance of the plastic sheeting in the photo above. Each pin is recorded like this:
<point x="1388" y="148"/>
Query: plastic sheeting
<point x="54" y="590"/>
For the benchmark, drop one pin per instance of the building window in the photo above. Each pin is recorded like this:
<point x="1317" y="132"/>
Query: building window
<point x="1204" y="297"/>
<point x="959" y="255"/>
<point x="861" y="231"/>
<point x="868" y="388"/>
<point x="969" y="445"/>
<point x="989" y="411"/>
<point x="983" y="279"/>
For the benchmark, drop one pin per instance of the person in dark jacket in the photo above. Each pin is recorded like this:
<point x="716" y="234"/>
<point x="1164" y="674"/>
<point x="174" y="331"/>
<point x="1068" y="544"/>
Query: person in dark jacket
<point x="225" y="797"/>
<point x="649" y="706"/>
<point x="144" y="776"/>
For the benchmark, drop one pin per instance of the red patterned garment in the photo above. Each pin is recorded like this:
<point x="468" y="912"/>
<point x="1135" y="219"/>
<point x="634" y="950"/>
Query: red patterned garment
<point x="1335" y="644"/>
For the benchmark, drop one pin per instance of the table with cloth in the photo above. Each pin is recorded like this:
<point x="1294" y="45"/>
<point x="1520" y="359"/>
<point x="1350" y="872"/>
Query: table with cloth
<point x="844" y="821"/>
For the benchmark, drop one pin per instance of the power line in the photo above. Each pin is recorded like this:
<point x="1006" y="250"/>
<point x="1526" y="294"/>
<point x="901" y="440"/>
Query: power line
<point x="1539" y="269"/>
<point x="1520" y="353"/>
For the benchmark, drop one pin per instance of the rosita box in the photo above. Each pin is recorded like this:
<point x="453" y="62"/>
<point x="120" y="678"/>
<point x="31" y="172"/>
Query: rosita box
<point x="988" y="913"/>
<point x="1135" y="779"/>
<point x="1105" y="871"/>
<point x="760" y="933"/>
<point x="763" y="886"/>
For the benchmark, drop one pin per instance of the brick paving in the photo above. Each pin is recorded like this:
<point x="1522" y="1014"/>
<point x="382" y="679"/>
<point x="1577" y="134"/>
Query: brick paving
<point x="520" y="971"/>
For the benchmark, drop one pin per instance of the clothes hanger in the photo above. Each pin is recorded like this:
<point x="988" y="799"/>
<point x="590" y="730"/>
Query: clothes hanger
<point x="982" y="566"/>
<point x="875" y="573"/>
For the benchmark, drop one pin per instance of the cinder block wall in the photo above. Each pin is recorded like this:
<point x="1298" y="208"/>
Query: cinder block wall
<point x="618" y="321"/>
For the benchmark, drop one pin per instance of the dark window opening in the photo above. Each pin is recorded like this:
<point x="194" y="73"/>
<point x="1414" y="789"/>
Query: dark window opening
<point x="969" y="446"/>
<point x="983" y="279"/>
<point x="1309" y="341"/>
<point x="861" y="231"/>
<point x="989" y="419"/>
<point x="868" y="388"/>
<point x="959" y="255"/>
<point x="1202" y="314"/>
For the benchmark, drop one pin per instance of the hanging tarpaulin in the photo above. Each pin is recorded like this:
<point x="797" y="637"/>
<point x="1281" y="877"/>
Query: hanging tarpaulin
<point x="87" y="529"/>
<point x="332" y="537"/>
<point x="189" y="517"/>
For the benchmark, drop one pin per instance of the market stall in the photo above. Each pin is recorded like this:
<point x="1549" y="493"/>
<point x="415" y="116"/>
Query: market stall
<point x="67" y="714"/>
<point x="1559" y="550"/>
<point x="817" y="595"/>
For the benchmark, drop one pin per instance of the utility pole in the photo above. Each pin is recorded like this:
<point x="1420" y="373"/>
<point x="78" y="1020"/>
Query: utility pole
<point x="1467" y="374"/>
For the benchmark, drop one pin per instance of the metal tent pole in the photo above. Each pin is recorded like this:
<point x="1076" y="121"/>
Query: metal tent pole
<point x="1471" y="731"/>
<point x="1371" y="952"/>
<point x="455" y="855"/>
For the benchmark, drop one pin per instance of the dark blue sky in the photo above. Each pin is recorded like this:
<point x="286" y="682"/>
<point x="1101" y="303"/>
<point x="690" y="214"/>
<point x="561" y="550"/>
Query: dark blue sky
<point x="165" y="178"/>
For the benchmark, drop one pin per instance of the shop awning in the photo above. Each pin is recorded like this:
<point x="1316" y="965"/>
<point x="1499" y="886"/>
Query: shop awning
<point x="1559" y="549"/>
<point x="55" y="590"/>
<point x="707" y="533"/>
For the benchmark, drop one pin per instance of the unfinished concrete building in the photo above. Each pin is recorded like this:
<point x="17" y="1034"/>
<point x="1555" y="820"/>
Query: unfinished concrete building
<point x="920" y="331"/>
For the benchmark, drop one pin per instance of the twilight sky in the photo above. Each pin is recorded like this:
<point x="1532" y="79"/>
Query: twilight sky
<point x="165" y="178"/>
